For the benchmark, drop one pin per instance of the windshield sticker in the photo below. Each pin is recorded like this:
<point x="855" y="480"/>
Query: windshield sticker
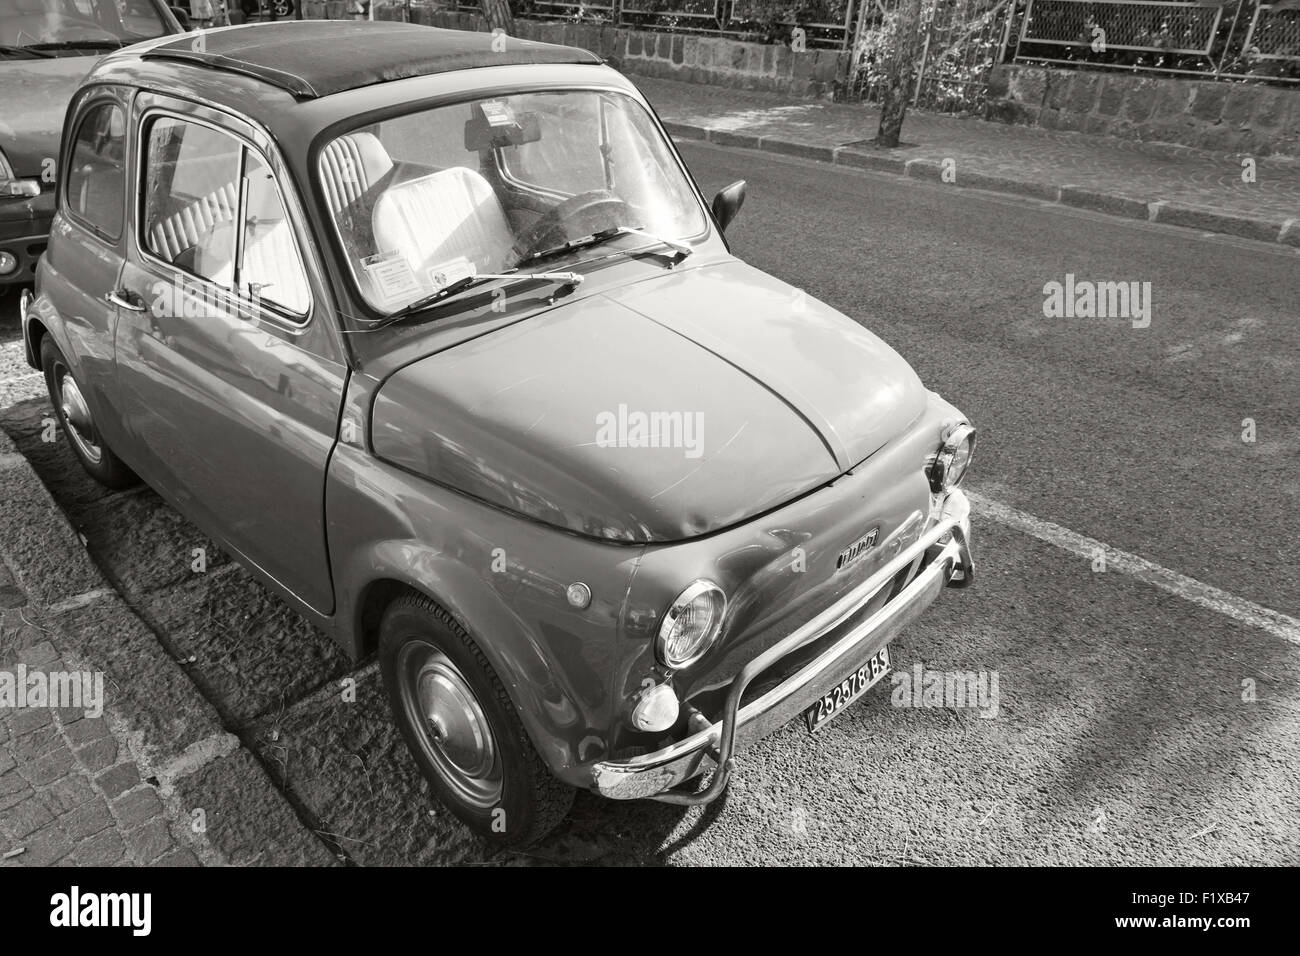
<point x="498" y="113"/>
<point x="444" y="274"/>
<point x="392" y="276"/>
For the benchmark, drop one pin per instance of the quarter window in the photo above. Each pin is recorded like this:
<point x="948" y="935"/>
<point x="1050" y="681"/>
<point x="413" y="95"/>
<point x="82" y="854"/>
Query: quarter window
<point x="272" y="268"/>
<point x="211" y="207"/>
<point x="96" y="178"/>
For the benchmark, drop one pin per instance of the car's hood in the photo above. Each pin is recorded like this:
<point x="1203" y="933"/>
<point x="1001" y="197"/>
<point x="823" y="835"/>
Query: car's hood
<point x="36" y="94"/>
<point x="762" y="393"/>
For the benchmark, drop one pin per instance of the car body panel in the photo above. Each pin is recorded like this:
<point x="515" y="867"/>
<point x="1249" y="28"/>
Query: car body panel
<point x="235" y="410"/>
<point x="36" y="95"/>
<point x="499" y="576"/>
<point x="25" y="236"/>
<point x="851" y="388"/>
<point x="78" y="275"/>
<point x="527" y="443"/>
<point x="532" y="442"/>
<point x="779" y="569"/>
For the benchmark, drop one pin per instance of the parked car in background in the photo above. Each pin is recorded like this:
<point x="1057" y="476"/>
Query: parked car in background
<point x="263" y="11"/>
<point x="46" y="48"/>
<point x="440" y="339"/>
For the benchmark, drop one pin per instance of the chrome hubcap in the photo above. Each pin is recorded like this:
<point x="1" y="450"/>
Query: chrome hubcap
<point x="76" y="414"/>
<point x="454" y="731"/>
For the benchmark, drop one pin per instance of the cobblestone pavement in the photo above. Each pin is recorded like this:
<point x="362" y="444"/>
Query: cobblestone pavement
<point x="17" y="379"/>
<point x="150" y="778"/>
<point x="70" y="793"/>
<point x="1105" y="173"/>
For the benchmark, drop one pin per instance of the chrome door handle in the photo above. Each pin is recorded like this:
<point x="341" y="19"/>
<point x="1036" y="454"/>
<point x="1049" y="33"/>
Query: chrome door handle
<point x="114" y="299"/>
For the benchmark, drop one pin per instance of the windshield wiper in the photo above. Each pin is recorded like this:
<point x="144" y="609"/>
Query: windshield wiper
<point x="30" y="51"/>
<point x="567" y="280"/>
<point x="105" y="43"/>
<point x="680" y="249"/>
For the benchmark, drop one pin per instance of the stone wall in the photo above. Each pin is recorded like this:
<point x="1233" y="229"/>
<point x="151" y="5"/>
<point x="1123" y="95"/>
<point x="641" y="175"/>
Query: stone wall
<point x="713" y="60"/>
<point x="1228" y="117"/>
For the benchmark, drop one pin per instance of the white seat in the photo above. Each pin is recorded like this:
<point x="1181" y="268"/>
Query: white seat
<point x="181" y="230"/>
<point x="350" y="165"/>
<point x="271" y="258"/>
<point x="441" y="217"/>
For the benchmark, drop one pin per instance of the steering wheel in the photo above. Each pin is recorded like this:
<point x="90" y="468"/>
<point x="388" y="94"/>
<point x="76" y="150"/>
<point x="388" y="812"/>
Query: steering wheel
<point x="579" y="215"/>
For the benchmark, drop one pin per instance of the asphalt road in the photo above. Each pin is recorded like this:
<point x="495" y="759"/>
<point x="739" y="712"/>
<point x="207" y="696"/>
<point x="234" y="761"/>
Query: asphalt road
<point x="1136" y="723"/>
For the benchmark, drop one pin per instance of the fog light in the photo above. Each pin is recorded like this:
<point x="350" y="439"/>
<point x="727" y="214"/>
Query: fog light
<point x="656" y="710"/>
<point x="8" y="263"/>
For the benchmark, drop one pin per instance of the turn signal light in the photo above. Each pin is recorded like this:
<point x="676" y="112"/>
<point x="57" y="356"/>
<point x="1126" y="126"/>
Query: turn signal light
<point x="656" y="710"/>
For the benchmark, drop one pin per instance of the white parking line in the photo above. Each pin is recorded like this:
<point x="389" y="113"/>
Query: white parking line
<point x="1189" y="589"/>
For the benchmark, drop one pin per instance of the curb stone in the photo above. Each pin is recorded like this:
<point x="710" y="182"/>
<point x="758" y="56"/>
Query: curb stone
<point x="1206" y="219"/>
<point x="162" y="731"/>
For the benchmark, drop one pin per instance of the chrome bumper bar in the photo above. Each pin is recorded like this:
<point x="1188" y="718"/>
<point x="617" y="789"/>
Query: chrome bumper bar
<point x="946" y="547"/>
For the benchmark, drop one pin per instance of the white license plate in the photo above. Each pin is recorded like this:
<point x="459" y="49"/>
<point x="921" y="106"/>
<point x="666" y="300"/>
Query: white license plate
<point x="848" y="690"/>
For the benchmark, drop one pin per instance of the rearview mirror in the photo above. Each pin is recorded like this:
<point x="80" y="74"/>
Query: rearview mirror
<point x="183" y="15"/>
<point x="728" y="202"/>
<point x="499" y="128"/>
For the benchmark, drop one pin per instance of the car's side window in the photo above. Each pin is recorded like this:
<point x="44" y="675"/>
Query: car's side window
<point x="211" y="207"/>
<point x="191" y="196"/>
<point x="96" y="176"/>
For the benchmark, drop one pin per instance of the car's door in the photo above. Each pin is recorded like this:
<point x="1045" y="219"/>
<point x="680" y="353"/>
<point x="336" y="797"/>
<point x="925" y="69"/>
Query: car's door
<point x="232" y="371"/>
<point x="88" y="239"/>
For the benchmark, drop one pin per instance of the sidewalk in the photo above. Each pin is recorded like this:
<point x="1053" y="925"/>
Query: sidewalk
<point x="1168" y="184"/>
<point x="139" y="770"/>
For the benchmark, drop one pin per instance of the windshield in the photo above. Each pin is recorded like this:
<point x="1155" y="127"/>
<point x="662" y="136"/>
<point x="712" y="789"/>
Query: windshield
<point x="75" y="27"/>
<point x="426" y="199"/>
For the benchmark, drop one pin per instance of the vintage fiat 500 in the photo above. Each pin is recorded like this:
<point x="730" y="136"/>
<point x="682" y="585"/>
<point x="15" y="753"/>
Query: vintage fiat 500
<point x="434" y="332"/>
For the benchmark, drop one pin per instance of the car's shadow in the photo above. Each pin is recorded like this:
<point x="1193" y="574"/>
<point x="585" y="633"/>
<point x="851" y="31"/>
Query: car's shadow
<point x="319" y="725"/>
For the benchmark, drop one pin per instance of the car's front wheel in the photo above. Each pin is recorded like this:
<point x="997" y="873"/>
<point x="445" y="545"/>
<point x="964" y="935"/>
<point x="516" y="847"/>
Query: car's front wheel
<point x="78" y="424"/>
<point x="462" y="728"/>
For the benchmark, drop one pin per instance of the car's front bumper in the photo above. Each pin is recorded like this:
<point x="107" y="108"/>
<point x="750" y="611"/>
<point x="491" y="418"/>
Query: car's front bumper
<point x="946" y="562"/>
<point x="24" y="231"/>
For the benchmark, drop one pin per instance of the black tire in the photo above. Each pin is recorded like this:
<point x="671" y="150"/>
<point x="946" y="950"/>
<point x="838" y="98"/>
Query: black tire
<point x="84" y="439"/>
<point x="530" y="801"/>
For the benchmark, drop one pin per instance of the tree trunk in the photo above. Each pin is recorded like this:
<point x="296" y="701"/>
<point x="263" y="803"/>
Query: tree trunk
<point x="900" y="72"/>
<point x="893" y="109"/>
<point x="497" y="14"/>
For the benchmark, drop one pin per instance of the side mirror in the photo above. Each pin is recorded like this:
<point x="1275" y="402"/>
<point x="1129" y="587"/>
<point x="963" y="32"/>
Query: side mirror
<point x="183" y="15"/>
<point x="727" y="203"/>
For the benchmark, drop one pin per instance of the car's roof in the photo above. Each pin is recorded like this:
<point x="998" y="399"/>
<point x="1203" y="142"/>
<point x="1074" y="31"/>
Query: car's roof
<point x="316" y="58"/>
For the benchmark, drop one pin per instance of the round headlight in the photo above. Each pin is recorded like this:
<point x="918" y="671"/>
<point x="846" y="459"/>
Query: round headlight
<point x="953" y="458"/>
<point x="691" y="625"/>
